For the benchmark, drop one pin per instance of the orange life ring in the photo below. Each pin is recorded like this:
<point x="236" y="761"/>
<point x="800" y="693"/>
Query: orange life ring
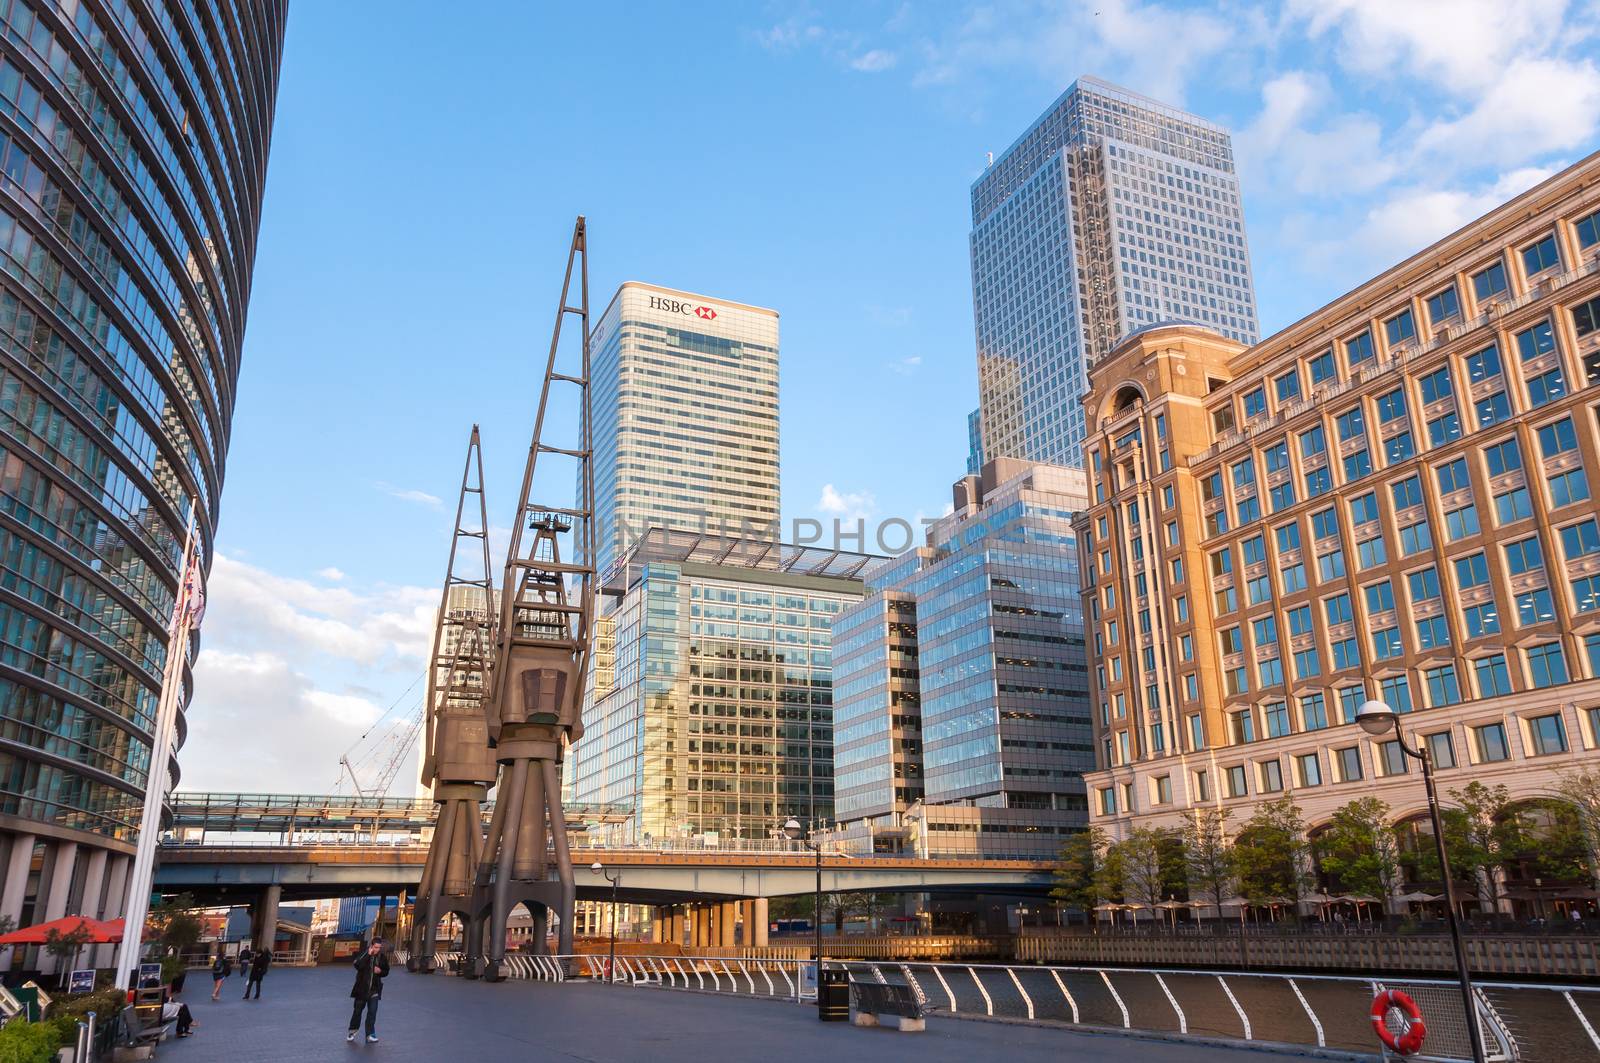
<point x="1412" y="1030"/>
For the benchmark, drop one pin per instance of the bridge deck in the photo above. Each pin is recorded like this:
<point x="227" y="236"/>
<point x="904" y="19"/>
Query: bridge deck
<point x="303" y="1015"/>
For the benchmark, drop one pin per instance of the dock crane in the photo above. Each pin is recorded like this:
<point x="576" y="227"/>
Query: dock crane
<point x="456" y="759"/>
<point x="540" y="663"/>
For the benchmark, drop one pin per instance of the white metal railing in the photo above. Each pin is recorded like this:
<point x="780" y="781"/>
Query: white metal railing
<point x="1519" y="1021"/>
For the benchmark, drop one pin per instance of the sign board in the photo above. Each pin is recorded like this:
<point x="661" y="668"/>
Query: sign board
<point x="149" y="976"/>
<point x="81" y="982"/>
<point x="345" y="949"/>
<point x="808" y="980"/>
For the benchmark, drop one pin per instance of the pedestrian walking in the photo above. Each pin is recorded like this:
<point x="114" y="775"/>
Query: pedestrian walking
<point x="244" y="962"/>
<point x="372" y="967"/>
<point x="221" y="968"/>
<point x="260" y="960"/>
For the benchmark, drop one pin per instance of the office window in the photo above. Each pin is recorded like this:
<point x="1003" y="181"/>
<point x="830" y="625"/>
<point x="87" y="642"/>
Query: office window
<point x="1313" y="441"/>
<point x="1535" y="607"/>
<point x="1586" y="317"/>
<point x="1162" y="789"/>
<point x="1491" y="742"/>
<point x="1370" y="554"/>
<point x="1472" y="570"/>
<point x="1432" y="632"/>
<point x="1546" y="387"/>
<point x="1271" y="776"/>
<point x="1581" y="539"/>
<point x="1484" y="364"/>
<point x="1299" y="620"/>
<point x="1524" y="555"/>
<point x="1446" y="428"/>
<point x="1321" y="367"/>
<point x="1539" y="256"/>
<point x="1443" y="305"/>
<point x="1324" y="524"/>
<point x="1358" y="349"/>
<point x="1391" y="759"/>
<point x="1313" y="712"/>
<point x="1364" y="509"/>
<point x="1453" y="476"/>
<point x="1271" y="671"/>
<point x="1396" y="690"/>
<point x="1503" y="457"/>
<point x="1460" y="523"/>
<point x="1255" y="403"/>
<point x="1351" y="424"/>
<point x="1406" y="493"/>
<point x="1330" y="566"/>
<point x="1357" y="465"/>
<point x="1236" y="781"/>
<point x="1309" y="767"/>
<point x="1338" y="609"/>
<point x="1547" y="734"/>
<point x="1167" y="498"/>
<point x="1489" y="282"/>
<point x="1108" y="801"/>
<point x="1222" y="419"/>
<point x="1349" y="761"/>
<point x="1191" y="687"/>
<point x="1350" y="699"/>
<point x="1186" y="647"/>
<point x="1588" y="230"/>
<point x="1400" y="328"/>
<point x="1415" y="538"/>
<point x="1547" y="665"/>
<point x="1282" y="496"/>
<point x="1568" y="487"/>
<point x="1346" y="654"/>
<point x="1276" y="456"/>
<point x="1287" y="386"/>
<point x="1259" y="589"/>
<point x="1294" y="578"/>
<point x="1380" y="597"/>
<point x="1482" y="619"/>
<point x="1242" y="725"/>
<point x="1440" y="749"/>
<point x="1265" y="631"/>
<point x="1197" y="734"/>
<point x="1435" y="385"/>
<point x="1493" y="677"/>
<point x="1512" y="506"/>
<point x="1399" y="448"/>
<point x="1423" y="584"/>
<point x="1277" y="714"/>
<point x="1492" y="409"/>
<point x="1288" y="537"/>
<point x="1443" y="687"/>
<point x="1386" y="643"/>
<point x="1202" y="779"/>
<point x="1177" y="570"/>
<point x="1253" y="550"/>
<point x="1318" y="482"/>
<point x="1249" y="509"/>
<point x="1558" y="437"/>
<point x="1225" y="600"/>
<point x="1535" y="340"/>
<point x="1391" y="406"/>
<point x="1307" y="663"/>
<point x="1228" y="641"/>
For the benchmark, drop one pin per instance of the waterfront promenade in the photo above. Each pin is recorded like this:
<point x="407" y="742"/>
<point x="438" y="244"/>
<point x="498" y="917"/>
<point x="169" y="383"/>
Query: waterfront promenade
<point x="303" y="1014"/>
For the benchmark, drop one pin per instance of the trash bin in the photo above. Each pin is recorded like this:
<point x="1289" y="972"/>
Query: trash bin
<point x="833" y="995"/>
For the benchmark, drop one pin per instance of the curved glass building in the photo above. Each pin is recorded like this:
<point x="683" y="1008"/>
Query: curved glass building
<point x="133" y="148"/>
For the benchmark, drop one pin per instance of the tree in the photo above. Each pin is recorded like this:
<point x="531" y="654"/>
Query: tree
<point x="1150" y="862"/>
<point x="1078" y="872"/>
<point x="172" y="924"/>
<point x="1271" y="854"/>
<point x="1208" y="858"/>
<point x="1483" y="831"/>
<point x="1581" y="788"/>
<point x="64" y="948"/>
<point x="1361" y="849"/>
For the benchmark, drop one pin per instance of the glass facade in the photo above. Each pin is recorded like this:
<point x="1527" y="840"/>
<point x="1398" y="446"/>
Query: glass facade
<point x="1112" y="213"/>
<point x="963" y="674"/>
<point x="712" y="709"/>
<point x="685" y="399"/>
<point x="133" y="147"/>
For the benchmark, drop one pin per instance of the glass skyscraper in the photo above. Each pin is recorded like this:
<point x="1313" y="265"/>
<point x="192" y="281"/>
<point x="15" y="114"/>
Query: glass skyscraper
<point x="685" y="399"/>
<point x="961" y="705"/>
<point x="711" y="709"/>
<point x="133" y="151"/>
<point x="1112" y="212"/>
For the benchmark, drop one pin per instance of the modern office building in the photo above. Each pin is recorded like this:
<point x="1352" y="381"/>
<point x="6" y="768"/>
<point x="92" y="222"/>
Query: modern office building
<point x="961" y="712"/>
<point x="1112" y="212"/>
<point x="1389" y="499"/>
<point x="685" y="399"/>
<point x="711" y="715"/>
<point x="133" y="150"/>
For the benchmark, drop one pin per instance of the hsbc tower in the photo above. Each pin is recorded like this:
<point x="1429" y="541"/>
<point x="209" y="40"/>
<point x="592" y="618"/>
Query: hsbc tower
<point x="684" y="391"/>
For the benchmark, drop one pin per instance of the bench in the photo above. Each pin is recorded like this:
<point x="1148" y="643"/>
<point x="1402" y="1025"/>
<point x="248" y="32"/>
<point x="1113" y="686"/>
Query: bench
<point x="873" y="1002"/>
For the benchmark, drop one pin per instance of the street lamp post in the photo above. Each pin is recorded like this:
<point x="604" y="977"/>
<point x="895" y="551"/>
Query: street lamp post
<point x="795" y="832"/>
<point x="1377" y="718"/>
<point x="611" y="964"/>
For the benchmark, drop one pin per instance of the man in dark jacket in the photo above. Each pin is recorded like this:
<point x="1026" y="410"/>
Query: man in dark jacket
<point x="258" y="970"/>
<point x="372" y="967"/>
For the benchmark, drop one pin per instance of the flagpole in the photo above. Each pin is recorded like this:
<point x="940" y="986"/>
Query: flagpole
<point x="155" y="793"/>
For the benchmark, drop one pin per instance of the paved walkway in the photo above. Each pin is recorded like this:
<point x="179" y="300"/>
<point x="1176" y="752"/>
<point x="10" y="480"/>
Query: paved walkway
<point x="303" y="1013"/>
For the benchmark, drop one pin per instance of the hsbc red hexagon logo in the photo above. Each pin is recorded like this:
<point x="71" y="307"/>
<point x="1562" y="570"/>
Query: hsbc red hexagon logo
<point x="705" y="313"/>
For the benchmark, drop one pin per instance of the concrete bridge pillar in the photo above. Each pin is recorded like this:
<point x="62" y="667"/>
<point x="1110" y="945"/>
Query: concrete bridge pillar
<point x="266" y="921"/>
<point x="726" y="918"/>
<point x="762" y="922"/>
<point x="675" y="931"/>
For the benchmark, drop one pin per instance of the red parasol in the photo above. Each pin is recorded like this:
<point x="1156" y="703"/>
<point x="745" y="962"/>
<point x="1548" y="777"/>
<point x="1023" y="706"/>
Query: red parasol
<point x="99" y="932"/>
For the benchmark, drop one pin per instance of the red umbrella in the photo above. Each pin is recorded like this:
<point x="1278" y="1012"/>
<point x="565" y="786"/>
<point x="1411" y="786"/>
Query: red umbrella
<point x="98" y="932"/>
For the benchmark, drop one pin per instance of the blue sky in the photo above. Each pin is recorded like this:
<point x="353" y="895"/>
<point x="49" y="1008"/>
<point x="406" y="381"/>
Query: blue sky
<point x="426" y="169"/>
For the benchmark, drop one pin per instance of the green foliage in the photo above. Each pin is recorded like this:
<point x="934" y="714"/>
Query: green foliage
<point x="104" y="1003"/>
<point x="1208" y="858"/>
<point x="1581" y="788"/>
<point x="1270" y="853"/>
<point x="30" y="1042"/>
<point x="1147" y="866"/>
<point x="173" y="925"/>
<point x="1362" y="849"/>
<point x="65" y="947"/>
<point x="1078" y="869"/>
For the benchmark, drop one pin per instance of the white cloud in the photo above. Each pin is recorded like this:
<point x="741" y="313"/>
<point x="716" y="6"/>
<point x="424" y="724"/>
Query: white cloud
<point x="411" y="494"/>
<point x="874" y="61"/>
<point x="1286" y="150"/>
<point x="906" y="366"/>
<point x="848" y="506"/>
<point x="331" y="573"/>
<point x="1535" y="106"/>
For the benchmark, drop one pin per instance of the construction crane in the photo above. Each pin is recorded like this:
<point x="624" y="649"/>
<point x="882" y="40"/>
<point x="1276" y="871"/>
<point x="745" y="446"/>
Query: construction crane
<point x="546" y="608"/>
<point x="386" y="752"/>
<point x="456" y="759"/>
